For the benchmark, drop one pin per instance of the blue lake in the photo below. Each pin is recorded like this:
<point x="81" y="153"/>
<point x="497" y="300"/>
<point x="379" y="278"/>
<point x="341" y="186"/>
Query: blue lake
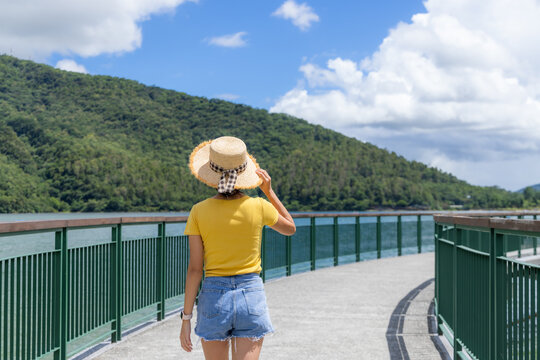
<point x="15" y="245"/>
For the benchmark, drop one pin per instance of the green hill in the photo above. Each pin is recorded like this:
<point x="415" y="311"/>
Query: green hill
<point x="75" y="142"/>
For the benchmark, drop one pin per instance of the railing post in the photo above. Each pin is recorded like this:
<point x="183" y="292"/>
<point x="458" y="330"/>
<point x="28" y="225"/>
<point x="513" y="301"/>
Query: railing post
<point x="263" y="254"/>
<point x="419" y="233"/>
<point x="457" y="242"/>
<point x="357" y="237"/>
<point x="336" y="242"/>
<point x="520" y="239"/>
<point x="492" y="282"/>
<point x="289" y="255"/>
<point x="61" y="303"/>
<point x="116" y="284"/>
<point x="438" y="234"/>
<point x="313" y="244"/>
<point x="161" y="272"/>
<point x="399" y="235"/>
<point x="495" y="322"/>
<point x="379" y="243"/>
<point x="535" y="240"/>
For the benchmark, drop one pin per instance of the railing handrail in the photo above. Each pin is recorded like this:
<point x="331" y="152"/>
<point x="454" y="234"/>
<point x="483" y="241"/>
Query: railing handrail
<point x="472" y="213"/>
<point x="525" y="225"/>
<point x="461" y="218"/>
<point x="23" y="226"/>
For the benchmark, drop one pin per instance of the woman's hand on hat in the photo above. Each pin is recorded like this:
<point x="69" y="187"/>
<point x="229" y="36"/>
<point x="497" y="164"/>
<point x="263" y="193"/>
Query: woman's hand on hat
<point x="266" y="185"/>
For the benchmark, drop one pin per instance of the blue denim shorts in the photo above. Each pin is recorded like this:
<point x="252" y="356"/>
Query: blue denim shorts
<point x="232" y="306"/>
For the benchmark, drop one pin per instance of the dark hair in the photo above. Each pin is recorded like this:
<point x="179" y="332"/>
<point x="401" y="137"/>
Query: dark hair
<point x="232" y="193"/>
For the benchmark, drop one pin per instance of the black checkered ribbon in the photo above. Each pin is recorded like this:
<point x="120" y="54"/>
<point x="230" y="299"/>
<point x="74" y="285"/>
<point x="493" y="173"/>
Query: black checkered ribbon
<point x="228" y="177"/>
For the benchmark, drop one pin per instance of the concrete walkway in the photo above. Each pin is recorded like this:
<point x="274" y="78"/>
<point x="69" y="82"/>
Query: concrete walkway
<point x="369" y="310"/>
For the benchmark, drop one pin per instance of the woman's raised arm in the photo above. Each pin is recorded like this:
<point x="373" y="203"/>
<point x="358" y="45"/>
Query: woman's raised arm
<point x="285" y="224"/>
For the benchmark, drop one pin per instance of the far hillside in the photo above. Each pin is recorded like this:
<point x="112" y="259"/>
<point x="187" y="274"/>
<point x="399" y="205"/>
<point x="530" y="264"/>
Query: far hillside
<point x="531" y="195"/>
<point x="533" y="187"/>
<point x="75" y="142"/>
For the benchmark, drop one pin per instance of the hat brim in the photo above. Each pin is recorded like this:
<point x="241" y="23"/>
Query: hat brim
<point x="199" y="164"/>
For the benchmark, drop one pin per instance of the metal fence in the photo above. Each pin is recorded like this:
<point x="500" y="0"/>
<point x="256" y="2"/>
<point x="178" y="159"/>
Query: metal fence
<point x="486" y="286"/>
<point x="332" y="240"/>
<point x="66" y="285"/>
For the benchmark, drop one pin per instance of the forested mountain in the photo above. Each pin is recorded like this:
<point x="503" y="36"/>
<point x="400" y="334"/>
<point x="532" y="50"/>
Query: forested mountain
<point x="75" y="142"/>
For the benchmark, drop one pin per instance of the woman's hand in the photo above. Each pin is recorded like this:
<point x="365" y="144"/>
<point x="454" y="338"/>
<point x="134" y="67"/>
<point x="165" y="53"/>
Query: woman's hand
<point x="285" y="223"/>
<point x="185" y="336"/>
<point x="266" y="185"/>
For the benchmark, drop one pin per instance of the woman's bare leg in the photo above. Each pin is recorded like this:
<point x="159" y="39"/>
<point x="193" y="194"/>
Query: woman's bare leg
<point x="215" y="350"/>
<point x="246" y="348"/>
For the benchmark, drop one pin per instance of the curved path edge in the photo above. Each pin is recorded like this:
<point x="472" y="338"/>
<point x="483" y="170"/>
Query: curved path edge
<point x="399" y="320"/>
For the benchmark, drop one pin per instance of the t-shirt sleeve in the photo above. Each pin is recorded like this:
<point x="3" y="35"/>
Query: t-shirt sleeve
<point x="192" y="225"/>
<point x="270" y="214"/>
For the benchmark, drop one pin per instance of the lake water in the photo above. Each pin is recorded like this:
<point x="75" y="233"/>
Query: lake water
<point x="16" y="245"/>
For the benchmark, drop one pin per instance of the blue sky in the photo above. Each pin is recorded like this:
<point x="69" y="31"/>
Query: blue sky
<point x="453" y="84"/>
<point x="175" y="52"/>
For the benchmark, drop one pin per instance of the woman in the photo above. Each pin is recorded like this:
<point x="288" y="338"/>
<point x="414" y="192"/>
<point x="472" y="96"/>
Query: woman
<point x="225" y="235"/>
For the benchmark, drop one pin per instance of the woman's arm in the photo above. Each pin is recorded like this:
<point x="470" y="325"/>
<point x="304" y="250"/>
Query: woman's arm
<point x="285" y="224"/>
<point x="193" y="280"/>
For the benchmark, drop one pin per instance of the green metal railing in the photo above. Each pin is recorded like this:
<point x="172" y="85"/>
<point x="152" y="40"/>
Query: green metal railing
<point x="486" y="285"/>
<point x="331" y="240"/>
<point x="58" y="302"/>
<point x="63" y="288"/>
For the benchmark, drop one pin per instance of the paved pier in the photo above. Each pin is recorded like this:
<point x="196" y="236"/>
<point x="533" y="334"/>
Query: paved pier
<point x="376" y="309"/>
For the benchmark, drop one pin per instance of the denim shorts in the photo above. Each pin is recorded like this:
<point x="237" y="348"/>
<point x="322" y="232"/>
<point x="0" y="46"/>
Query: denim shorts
<point x="232" y="306"/>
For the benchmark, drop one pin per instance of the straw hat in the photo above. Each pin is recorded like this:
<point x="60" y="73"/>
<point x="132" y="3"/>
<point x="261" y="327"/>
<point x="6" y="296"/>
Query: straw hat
<point x="217" y="162"/>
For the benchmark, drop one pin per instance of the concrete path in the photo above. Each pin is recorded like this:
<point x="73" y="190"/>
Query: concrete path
<point x="347" y="312"/>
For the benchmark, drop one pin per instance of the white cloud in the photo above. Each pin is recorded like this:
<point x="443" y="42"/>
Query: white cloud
<point x="70" y="65"/>
<point x="230" y="40"/>
<point x="457" y="86"/>
<point x="35" y="29"/>
<point x="301" y="15"/>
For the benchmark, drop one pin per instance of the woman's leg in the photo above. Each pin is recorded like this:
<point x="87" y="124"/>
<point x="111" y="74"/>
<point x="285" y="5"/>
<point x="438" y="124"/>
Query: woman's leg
<point x="246" y="348"/>
<point x="215" y="350"/>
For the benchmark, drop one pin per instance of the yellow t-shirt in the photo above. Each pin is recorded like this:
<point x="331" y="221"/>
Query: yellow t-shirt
<point x="231" y="233"/>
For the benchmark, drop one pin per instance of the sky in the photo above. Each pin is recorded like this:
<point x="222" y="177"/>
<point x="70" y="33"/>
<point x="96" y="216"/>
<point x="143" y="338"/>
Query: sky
<point x="453" y="84"/>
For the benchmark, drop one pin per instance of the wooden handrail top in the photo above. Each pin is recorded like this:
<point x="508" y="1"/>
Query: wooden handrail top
<point x="467" y="218"/>
<point x="23" y="226"/>
<point x="524" y="225"/>
<point x="416" y="213"/>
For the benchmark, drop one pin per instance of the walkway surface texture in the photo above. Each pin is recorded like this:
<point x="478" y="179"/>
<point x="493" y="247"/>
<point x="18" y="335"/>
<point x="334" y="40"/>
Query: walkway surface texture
<point x="375" y="309"/>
